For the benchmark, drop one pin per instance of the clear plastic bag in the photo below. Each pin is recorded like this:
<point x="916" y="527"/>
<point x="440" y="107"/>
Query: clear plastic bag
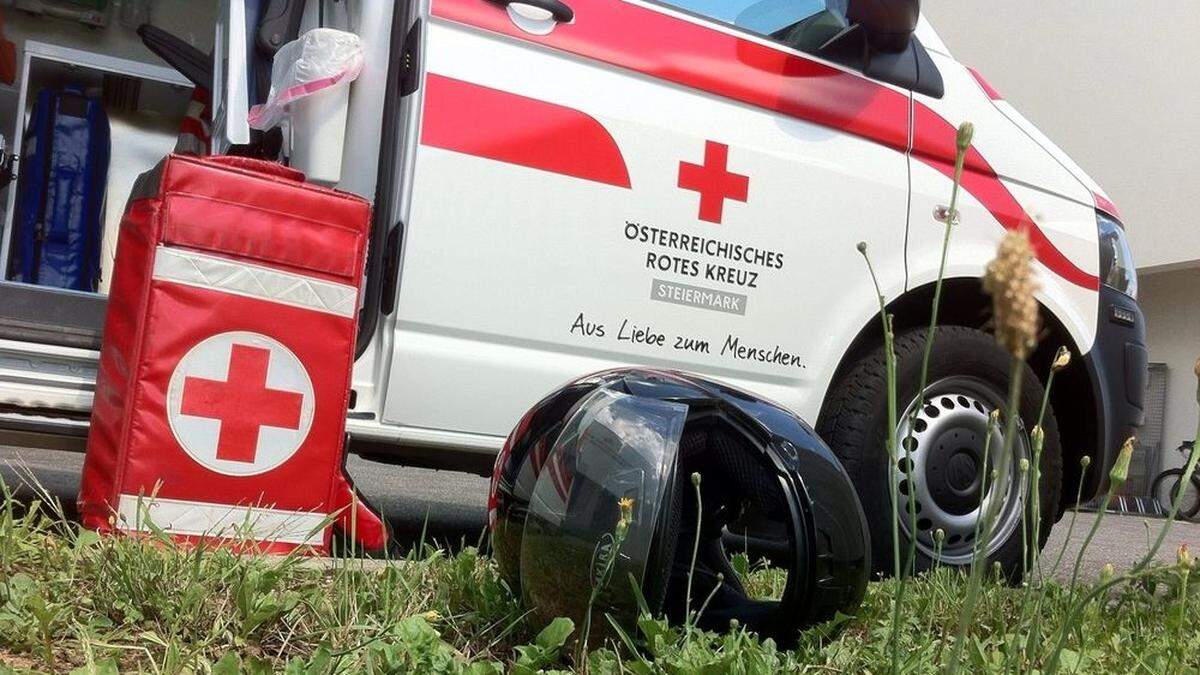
<point x="319" y="59"/>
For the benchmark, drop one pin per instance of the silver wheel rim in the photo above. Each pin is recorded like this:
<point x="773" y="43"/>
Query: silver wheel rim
<point x="940" y="447"/>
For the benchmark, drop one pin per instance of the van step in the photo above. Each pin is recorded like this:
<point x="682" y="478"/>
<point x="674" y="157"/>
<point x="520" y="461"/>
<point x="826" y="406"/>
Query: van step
<point x="40" y="377"/>
<point x="51" y="316"/>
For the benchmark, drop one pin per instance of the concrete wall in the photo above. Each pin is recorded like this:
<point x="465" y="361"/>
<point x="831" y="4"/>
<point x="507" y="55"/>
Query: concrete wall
<point x="1116" y="84"/>
<point x="1171" y="301"/>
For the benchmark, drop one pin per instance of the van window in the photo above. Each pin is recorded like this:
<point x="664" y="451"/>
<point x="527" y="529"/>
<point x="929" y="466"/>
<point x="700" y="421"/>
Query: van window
<point x="774" y="19"/>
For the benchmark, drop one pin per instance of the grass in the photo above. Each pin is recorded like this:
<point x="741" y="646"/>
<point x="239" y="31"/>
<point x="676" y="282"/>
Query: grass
<point x="70" y="599"/>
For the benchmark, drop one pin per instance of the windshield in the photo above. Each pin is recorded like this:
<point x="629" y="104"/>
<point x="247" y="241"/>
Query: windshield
<point x="764" y="17"/>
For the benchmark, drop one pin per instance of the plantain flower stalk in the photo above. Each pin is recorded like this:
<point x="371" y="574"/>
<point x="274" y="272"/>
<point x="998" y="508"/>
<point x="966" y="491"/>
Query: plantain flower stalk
<point x="1116" y="478"/>
<point x="1184" y="557"/>
<point x="1010" y="281"/>
<point x="890" y="444"/>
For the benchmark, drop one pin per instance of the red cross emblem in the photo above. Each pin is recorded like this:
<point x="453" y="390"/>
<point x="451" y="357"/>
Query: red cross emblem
<point x="713" y="181"/>
<point x="240" y="403"/>
<point x="243" y="403"/>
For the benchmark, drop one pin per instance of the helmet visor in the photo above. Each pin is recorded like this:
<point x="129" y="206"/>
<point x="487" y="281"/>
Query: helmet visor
<point x="596" y="504"/>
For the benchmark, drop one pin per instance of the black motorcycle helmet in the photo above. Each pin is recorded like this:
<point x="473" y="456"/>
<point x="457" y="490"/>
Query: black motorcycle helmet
<point x="594" y="488"/>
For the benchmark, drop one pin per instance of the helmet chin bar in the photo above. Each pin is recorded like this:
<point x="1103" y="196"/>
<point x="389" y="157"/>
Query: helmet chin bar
<point x="636" y="437"/>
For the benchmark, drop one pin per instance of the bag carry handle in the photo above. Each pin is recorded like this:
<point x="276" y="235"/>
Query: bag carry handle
<point x="258" y="166"/>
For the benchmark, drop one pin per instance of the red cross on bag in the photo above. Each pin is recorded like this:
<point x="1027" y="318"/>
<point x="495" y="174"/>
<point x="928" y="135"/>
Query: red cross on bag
<point x="224" y="375"/>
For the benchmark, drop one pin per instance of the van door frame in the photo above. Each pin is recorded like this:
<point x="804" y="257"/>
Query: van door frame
<point x="398" y="124"/>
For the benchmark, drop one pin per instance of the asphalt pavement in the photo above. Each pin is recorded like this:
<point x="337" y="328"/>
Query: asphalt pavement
<point x="450" y="508"/>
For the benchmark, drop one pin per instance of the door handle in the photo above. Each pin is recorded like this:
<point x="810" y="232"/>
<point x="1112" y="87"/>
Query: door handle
<point x="560" y="11"/>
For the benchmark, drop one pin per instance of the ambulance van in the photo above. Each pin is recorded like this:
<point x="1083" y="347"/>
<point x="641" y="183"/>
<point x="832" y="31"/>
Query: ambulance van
<point x="564" y="186"/>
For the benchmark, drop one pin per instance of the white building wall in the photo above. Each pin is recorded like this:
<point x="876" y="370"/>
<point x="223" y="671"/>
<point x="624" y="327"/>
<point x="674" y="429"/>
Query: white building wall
<point x="1171" y="301"/>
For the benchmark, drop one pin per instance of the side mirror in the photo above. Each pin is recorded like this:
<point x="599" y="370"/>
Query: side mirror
<point x="887" y="24"/>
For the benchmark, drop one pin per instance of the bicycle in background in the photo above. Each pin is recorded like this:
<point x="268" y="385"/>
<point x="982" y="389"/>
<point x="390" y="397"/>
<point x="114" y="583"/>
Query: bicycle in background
<point x="1169" y="484"/>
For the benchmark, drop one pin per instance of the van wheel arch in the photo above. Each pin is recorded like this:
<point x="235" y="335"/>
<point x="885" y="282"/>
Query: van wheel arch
<point x="1075" y="402"/>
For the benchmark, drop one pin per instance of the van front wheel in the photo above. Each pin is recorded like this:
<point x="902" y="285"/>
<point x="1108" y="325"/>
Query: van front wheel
<point x="951" y="468"/>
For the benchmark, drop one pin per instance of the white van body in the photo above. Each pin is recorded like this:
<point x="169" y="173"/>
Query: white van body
<point x="516" y="279"/>
<point x="651" y="184"/>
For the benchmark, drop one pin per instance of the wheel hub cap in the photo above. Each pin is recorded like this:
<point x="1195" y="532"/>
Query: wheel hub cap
<point x="940" y="472"/>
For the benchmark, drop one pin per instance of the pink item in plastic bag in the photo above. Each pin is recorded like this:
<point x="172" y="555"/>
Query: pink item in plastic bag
<point x="317" y="60"/>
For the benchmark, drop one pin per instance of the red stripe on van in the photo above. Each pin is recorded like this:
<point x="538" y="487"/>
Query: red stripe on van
<point x="668" y="48"/>
<point x="662" y="46"/>
<point x="1105" y="204"/>
<point x="486" y="122"/>
<point x="985" y="85"/>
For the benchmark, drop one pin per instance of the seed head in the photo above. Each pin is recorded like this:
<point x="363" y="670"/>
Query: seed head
<point x="696" y="478"/>
<point x="1062" y="359"/>
<point x="966" y="131"/>
<point x="939" y="535"/>
<point x="626" y="506"/>
<point x="1024" y="464"/>
<point x="1037" y="436"/>
<point x="862" y="247"/>
<point x="1184" y="557"/>
<point x="1107" y="572"/>
<point x="1120" y="470"/>
<point x="994" y="417"/>
<point x="1085" y="461"/>
<point x="1010" y="281"/>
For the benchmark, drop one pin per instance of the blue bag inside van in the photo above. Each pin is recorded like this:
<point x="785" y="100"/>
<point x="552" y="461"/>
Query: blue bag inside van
<point x="63" y="170"/>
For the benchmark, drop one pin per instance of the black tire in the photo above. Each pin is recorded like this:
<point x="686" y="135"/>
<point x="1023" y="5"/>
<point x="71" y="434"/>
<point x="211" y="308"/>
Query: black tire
<point x="854" y="424"/>
<point x="1165" y="489"/>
